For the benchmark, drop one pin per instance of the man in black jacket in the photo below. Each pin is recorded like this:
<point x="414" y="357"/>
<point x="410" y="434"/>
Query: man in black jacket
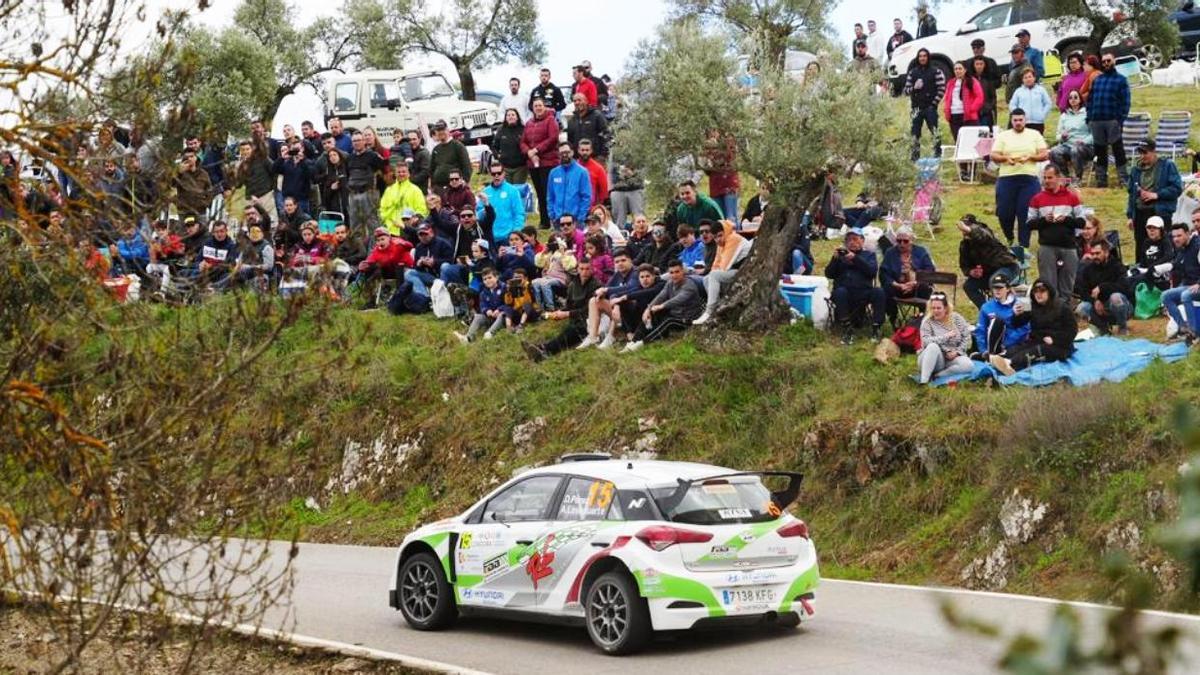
<point x="548" y="92"/>
<point x="1154" y="267"/>
<point x="925" y="85"/>
<point x="590" y="124"/>
<point x="853" y="271"/>
<point x="990" y="80"/>
<point x="581" y="289"/>
<point x="661" y="252"/>
<point x="1102" y="289"/>
<point x="1051" y="331"/>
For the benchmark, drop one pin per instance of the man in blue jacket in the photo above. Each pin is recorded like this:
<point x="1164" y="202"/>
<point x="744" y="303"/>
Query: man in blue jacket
<point x="130" y="254"/>
<point x="505" y="201"/>
<point x="853" y="271"/>
<point x="1178" y="300"/>
<point x="898" y="273"/>
<point x="569" y="189"/>
<point x="1154" y="189"/>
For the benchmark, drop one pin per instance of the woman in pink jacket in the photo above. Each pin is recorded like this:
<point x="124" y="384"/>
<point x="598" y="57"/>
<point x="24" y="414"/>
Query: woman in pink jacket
<point x="1072" y="80"/>
<point x="964" y="99"/>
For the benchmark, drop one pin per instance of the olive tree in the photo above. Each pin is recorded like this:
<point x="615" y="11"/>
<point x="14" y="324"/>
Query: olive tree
<point x="1147" y="20"/>
<point x="791" y="134"/>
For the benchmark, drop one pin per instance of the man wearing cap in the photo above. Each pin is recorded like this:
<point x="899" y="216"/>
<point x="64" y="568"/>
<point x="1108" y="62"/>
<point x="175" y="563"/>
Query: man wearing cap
<point x="1154" y="190"/>
<point x="387" y="260"/>
<point x="431" y="255"/>
<point x="584" y="85"/>
<point x="1018" y="151"/>
<point x="1032" y="54"/>
<point x="401" y="196"/>
<point x="1016" y="69"/>
<point x="996" y="331"/>
<point x="1180" y="300"/>
<point x="569" y="188"/>
<point x="899" y="269"/>
<point x="1107" y="107"/>
<point x="1154" y="267"/>
<point x="1056" y="213"/>
<point x="981" y="257"/>
<point x="853" y="272"/>
<point x="448" y="155"/>
<point x="863" y="62"/>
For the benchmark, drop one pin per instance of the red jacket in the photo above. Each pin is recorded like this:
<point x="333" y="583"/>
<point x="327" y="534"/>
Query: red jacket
<point x="588" y="89"/>
<point x="541" y="135"/>
<point x="599" y="177"/>
<point x="397" y="254"/>
<point x="303" y="254"/>
<point x="972" y="98"/>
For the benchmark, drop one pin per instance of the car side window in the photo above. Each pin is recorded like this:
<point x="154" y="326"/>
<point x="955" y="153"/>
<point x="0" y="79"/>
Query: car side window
<point x="634" y="505"/>
<point x="345" y="97"/>
<point x="586" y="499"/>
<point x="992" y="17"/>
<point x="383" y="92"/>
<point x="1025" y="13"/>
<point x="523" y="501"/>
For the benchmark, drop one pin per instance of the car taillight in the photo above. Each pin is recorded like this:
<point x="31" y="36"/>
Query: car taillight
<point x="660" y="537"/>
<point x="796" y="529"/>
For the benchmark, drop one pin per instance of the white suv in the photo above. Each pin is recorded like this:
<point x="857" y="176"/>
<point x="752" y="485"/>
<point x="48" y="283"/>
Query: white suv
<point x="389" y="99"/>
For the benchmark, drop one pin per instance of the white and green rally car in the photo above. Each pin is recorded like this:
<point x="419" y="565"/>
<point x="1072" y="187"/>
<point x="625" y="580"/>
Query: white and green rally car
<point x="624" y="547"/>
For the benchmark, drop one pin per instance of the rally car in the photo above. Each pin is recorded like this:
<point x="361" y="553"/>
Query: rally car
<point x="623" y="547"/>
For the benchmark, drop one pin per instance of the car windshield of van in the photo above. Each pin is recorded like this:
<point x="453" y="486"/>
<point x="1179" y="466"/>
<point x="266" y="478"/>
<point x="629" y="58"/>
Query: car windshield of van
<point x="424" y="87"/>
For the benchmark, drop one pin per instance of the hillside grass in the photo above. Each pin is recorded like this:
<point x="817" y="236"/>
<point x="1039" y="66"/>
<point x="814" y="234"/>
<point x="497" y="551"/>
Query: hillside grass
<point x="917" y="507"/>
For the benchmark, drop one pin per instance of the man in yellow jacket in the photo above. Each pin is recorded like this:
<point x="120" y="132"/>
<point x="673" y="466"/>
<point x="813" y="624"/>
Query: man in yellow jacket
<point x="401" y="195"/>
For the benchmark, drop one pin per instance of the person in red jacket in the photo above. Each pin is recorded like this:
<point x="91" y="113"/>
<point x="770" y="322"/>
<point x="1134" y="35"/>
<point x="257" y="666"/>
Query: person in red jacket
<point x="539" y="142"/>
<point x="584" y="86"/>
<point x="596" y="172"/>
<point x="388" y="260"/>
<point x="964" y="99"/>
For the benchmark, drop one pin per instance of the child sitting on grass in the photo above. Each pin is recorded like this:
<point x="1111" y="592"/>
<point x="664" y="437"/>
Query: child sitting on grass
<point x="518" y="301"/>
<point x="491" y="309"/>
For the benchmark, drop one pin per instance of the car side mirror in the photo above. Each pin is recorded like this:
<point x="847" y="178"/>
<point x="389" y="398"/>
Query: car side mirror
<point x="393" y="103"/>
<point x="967" y="28"/>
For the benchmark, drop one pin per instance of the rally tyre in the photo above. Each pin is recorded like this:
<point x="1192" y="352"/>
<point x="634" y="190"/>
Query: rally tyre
<point x="426" y="598"/>
<point x="618" y="620"/>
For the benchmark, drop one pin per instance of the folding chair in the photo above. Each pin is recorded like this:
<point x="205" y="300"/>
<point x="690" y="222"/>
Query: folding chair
<point x="1131" y="68"/>
<point x="966" y="151"/>
<point x="1136" y="129"/>
<point x="1174" y="131"/>
<point x="906" y="308"/>
<point x="1022" y="280"/>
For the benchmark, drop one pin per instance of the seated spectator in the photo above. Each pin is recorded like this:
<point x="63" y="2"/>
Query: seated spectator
<point x="633" y="305"/>
<point x="130" y="254"/>
<point x="430" y="256"/>
<point x="624" y="280"/>
<point x="388" y="260"/>
<point x="465" y="236"/>
<point x="606" y="226"/>
<point x="671" y="311"/>
<point x="692" y="251"/>
<point x="479" y="262"/>
<point x="639" y="237"/>
<point x="945" y="341"/>
<point x="1179" y="300"/>
<point x="292" y="215"/>
<point x="853" y="272"/>
<point x="1051" y="332"/>
<point x="530" y="234"/>
<point x="1055" y="213"/>
<point x="732" y="249"/>
<point x="802" y="259"/>
<point x="661" y="252"/>
<point x="556" y="263"/>
<point x="256" y="260"/>
<point x="580" y="290"/>
<point x="348" y="252"/>
<point x="166" y="251"/>
<point x="306" y="261"/>
<point x="1074" y="148"/>
<point x="444" y="219"/>
<point x="519" y="308"/>
<point x="981" y="257"/>
<point x="1154" y="267"/>
<point x="995" y="332"/>
<point x="595" y="249"/>
<point x="491" y="309"/>
<point x="1091" y="234"/>
<point x="217" y="257"/>
<point x="898" y="272"/>
<point x="571" y="233"/>
<point x="1102" y="292"/>
<point x="516" y="255"/>
<point x="756" y="207"/>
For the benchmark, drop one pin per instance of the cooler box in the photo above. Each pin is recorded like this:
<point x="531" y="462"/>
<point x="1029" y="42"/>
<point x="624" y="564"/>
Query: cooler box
<point x="807" y="295"/>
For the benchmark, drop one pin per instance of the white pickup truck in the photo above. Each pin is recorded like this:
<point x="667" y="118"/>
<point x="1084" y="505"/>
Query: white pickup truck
<point x="387" y="99"/>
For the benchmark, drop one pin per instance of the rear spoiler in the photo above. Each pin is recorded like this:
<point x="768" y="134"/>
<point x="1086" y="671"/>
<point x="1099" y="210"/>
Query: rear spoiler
<point x="782" y="499"/>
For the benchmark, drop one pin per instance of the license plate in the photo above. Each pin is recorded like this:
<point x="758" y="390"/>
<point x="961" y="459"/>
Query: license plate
<point x="735" y="597"/>
<point x="479" y="133"/>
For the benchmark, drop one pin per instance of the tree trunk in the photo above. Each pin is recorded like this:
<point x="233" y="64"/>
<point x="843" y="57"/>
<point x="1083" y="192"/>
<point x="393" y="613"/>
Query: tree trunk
<point x="753" y="302"/>
<point x="466" y="81"/>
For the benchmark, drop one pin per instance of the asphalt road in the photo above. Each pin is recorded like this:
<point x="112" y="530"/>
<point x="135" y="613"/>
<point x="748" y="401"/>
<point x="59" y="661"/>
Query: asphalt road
<point x="341" y="595"/>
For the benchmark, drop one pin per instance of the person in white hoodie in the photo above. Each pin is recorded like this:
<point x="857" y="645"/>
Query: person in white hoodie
<point x="516" y="100"/>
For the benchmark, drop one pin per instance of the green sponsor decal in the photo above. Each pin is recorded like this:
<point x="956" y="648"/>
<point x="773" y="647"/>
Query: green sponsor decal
<point x="435" y="540"/>
<point x="654" y="584"/>
<point x="743" y="539"/>
<point x="803" y="584"/>
<point x="469" y="580"/>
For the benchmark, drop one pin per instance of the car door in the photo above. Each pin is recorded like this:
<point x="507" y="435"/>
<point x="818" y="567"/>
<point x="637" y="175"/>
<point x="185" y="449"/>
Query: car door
<point x="491" y="554"/>
<point x="583" y="512"/>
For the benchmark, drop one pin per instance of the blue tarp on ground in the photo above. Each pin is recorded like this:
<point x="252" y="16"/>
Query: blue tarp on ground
<point x="1101" y="359"/>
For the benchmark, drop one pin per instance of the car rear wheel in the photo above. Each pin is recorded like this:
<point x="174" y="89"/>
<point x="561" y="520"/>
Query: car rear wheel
<point x="618" y="620"/>
<point x="426" y="599"/>
<point x="1150" y="56"/>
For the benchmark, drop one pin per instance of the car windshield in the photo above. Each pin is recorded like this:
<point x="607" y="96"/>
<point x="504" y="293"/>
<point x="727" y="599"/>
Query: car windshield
<point x="424" y="87"/>
<point x="742" y="499"/>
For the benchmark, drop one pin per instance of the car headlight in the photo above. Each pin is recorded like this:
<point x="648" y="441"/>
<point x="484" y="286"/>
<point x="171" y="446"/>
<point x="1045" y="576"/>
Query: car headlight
<point x="492" y="117"/>
<point x="453" y="122"/>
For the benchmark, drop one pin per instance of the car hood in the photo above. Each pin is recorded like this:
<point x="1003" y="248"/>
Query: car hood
<point x="450" y="106"/>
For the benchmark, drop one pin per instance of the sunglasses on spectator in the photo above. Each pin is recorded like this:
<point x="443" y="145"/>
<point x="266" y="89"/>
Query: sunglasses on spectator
<point x="497" y="173"/>
<point x="467" y="215"/>
<point x="454" y="178"/>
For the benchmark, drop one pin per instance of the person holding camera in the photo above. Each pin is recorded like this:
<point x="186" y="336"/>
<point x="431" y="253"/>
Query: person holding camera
<point x="997" y="330"/>
<point x="555" y="263"/>
<point x="298" y="173"/>
<point x="853" y="272"/>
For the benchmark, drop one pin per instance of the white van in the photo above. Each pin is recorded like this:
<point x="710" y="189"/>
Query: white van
<point x="387" y="99"/>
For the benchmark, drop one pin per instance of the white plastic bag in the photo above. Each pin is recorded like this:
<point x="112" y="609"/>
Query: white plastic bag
<point x="1172" y="328"/>
<point x="439" y="296"/>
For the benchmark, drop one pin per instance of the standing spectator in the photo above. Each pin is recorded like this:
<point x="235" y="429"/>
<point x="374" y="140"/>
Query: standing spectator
<point x="1091" y="70"/>
<point x="898" y="271"/>
<point x="580" y="290"/>
<point x="193" y="188"/>
<point x="1074" y="147"/>
<point x="341" y="139"/>
<point x="1107" y="107"/>
<point x="297" y="173"/>
<point x="1033" y="54"/>
<point x="1051" y="332"/>
<point x="584" y="87"/>
<point x="506" y="147"/>
<point x="925" y="86"/>
<point x="401" y="150"/>
<point x="457" y="195"/>
<point x="448" y="155"/>
<point x="853" y="270"/>
<point x="964" y="100"/>
<point x="987" y="113"/>
<point x="1180" y="301"/>
<point x="548" y="93"/>
<point x="899" y="37"/>
<point x="312" y="140"/>
<point x="628" y="195"/>
<point x="590" y="124"/>
<point x="1102" y="290"/>
<point x="362" y="167"/>
<point x="505" y="202"/>
<point x="862" y="61"/>
<point x="515" y="100"/>
<point x="538" y="143"/>
<point x="254" y="172"/>
<point x="333" y="177"/>
<point x="1154" y="190"/>
<point x="1056" y="213"/>
<point x="400" y="196"/>
<point x="600" y="83"/>
<point x="945" y="339"/>
<point x="597" y="174"/>
<point x="926" y="23"/>
<point x="211" y="159"/>
<point x="876" y="42"/>
<point x="981" y="257"/>
<point x="860" y="38"/>
<point x="1017" y="150"/>
<point x="1072" y="80"/>
<point x="720" y="164"/>
<point x="1018" y="65"/>
<point x="694" y="207"/>
<point x="418" y="169"/>
<point x="569" y="188"/>
<point x="671" y="311"/>
<point x="1032" y="98"/>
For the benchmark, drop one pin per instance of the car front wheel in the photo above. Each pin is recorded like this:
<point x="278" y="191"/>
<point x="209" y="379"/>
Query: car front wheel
<point x="426" y="599"/>
<point x="618" y="620"/>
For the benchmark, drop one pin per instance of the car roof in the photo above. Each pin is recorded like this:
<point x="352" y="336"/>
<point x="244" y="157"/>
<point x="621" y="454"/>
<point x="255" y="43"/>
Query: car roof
<point x="641" y="473"/>
<point x="381" y="74"/>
